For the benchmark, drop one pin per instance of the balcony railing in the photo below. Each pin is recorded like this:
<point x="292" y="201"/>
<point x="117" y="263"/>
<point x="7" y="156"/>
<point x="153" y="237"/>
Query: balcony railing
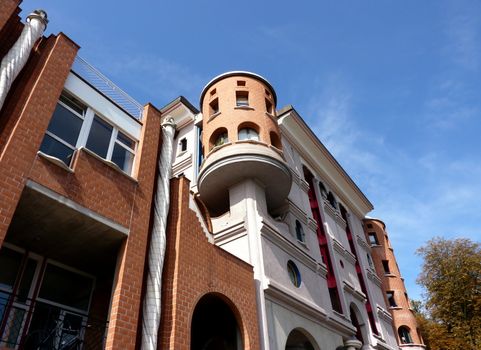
<point x="105" y="86"/>
<point x="26" y="324"/>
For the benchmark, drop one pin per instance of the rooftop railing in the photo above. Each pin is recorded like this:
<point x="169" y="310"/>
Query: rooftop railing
<point x="105" y="86"/>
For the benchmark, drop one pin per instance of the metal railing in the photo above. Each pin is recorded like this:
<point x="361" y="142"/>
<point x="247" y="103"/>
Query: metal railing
<point x="104" y="85"/>
<point x="29" y="325"/>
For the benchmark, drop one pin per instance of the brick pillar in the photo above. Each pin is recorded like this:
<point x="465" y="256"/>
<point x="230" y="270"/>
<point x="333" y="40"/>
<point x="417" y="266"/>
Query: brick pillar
<point x="25" y="117"/>
<point x="126" y="298"/>
<point x="8" y="8"/>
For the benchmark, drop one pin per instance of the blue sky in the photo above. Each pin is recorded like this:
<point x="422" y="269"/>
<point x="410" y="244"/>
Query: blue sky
<point x="392" y="88"/>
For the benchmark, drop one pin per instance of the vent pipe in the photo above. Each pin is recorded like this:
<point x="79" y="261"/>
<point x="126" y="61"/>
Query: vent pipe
<point x="152" y="302"/>
<point x="15" y="59"/>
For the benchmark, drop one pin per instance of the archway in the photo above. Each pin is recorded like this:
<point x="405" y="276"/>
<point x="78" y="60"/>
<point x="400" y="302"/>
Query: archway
<point x="299" y="340"/>
<point x="214" y="326"/>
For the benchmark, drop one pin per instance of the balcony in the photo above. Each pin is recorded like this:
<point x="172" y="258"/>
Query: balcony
<point x="29" y="324"/>
<point x="231" y="163"/>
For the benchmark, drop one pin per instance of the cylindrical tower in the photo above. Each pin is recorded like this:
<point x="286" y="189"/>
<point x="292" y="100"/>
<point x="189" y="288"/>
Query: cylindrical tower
<point x="405" y="324"/>
<point x="241" y="140"/>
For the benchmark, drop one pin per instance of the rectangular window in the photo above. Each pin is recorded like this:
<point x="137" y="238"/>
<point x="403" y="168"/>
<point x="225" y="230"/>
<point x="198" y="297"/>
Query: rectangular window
<point x="214" y="106"/>
<point x="63" y="131"/>
<point x="390" y="299"/>
<point x="373" y="238"/>
<point x="241" y="83"/>
<point x="268" y="106"/>
<point x="183" y="145"/>
<point x="74" y="125"/>
<point x="385" y="265"/>
<point x="242" y="98"/>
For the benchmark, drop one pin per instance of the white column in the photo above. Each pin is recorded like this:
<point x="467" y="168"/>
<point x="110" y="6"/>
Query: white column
<point x="15" y="59"/>
<point x="152" y="301"/>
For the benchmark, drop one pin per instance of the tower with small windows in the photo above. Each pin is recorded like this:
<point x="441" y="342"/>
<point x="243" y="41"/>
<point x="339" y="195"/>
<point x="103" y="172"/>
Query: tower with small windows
<point x="241" y="141"/>
<point x="404" y="321"/>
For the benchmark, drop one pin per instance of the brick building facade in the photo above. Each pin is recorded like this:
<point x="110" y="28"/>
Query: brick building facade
<point x="264" y="240"/>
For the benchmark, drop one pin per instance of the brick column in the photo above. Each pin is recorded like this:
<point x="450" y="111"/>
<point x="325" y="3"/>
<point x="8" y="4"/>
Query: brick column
<point x="8" y="8"/>
<point x="25" y="117"/>
<point x="126" y="298"/>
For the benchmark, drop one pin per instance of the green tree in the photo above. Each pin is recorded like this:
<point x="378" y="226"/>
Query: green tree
<point x="451" y="276"/>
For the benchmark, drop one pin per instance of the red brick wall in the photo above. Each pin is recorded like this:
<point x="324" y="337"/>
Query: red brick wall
<point x="402" y="315"/>
<point x="126" y="298"/>
<point x="195" y="267"/>
<point x="25" y="117"/>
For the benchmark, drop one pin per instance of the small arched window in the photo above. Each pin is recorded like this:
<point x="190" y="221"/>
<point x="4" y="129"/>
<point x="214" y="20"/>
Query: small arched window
<point x="404" y="335"/>
<point x="219" y="137"/>
<point x="332" y="200"/>
<point x="248" y="134"/>
<point x="300" y="232"/>
<point x="322" y="189"/>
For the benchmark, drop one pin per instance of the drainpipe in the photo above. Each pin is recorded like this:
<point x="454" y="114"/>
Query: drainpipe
<point x="15" y="59"/>
<point x="152" y="301"/>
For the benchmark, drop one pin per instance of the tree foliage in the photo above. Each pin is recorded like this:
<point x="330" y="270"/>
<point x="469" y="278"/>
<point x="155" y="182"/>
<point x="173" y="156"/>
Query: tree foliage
<point x="451" y="276"/>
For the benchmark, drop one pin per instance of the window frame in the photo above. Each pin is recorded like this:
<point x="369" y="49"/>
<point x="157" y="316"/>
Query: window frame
<point x="84" y="133"/>
<point x="239" y="96"/>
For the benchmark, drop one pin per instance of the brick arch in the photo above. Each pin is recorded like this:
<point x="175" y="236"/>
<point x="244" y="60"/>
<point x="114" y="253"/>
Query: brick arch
<point x="244" y="333"/>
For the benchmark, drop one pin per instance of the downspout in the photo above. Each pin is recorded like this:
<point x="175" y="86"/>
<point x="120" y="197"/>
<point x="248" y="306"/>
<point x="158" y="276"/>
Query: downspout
<point x="152" y="301"/>
<point x="17" y="56"/>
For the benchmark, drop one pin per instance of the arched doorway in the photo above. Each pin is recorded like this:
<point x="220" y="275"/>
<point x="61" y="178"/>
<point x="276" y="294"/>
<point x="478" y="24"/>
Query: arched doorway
<point x="298" y="340"/>
<point x="362" y="330"/>
<point x="214" y="326"/>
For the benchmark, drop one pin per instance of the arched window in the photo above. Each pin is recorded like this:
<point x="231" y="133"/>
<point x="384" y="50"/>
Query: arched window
<point x="219" y="137"/>
<point x="300" y="340"/>
<point x="332" y="200"/>
<point x="248" y="134"/>
<point x="300" y="235"/>
<point x="404" y="335"/>
<point x="322" y="189"/>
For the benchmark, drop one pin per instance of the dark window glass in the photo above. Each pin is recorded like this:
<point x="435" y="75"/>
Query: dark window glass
<point x="373" y="238"/>
<point x="123" y="158"/>
<point x="390" y="299"/>
<point x="294" y="274"/>
<point x="126" y="140"/>
<point x="65" y="124"/>
<point x="57" y="149"/>
<point x="183" y="145"/>
<point x="99" y="137"/>
<point x="73" y="103"/>
<point x="66" y="287"/>
<point x="242" y="98"/>
<point x="385" y="265"/>
<point x="404" y="335"/>
<point x="26" y="282"/>
<point x="299" y="231"/>
<point x="10" y="261"/>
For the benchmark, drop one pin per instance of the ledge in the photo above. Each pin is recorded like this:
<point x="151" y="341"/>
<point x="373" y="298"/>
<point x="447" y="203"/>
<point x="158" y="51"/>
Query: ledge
<point x="247" y="108"/>
<point x="56" y="161"/>
<point x="212" y="116"/>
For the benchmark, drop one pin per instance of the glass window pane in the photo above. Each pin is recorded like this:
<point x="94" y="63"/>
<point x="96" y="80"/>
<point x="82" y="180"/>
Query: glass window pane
<point x="126" y="140"/>
<point x="73" y="103"/>
<point x="57" y="149"/>
<point x="10" y="261"/>
<point x="66" y="287"/>
<point x="99" y="137"/>
<point x="123" y="158"/>
<point x="65" y="125"/>
<point x="25" y="284"/>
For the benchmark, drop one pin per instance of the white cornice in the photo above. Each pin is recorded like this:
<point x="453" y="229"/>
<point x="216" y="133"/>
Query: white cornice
<point x="319" y="158"/>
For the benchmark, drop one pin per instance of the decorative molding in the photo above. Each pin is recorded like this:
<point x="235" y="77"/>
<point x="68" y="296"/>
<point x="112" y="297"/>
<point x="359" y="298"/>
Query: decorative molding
<point x="312" y="224"/>
<point x="230" y="233"/>
<point x="374" y="277"/>
<point x="363" y="243"/>
<point x="354" y="292"/>
<point x="182" y="165"/>
<point x="343" y="251"/>
<point x="329" y="210"/>
<point x="272" y="235"/>
<point x="340" y="221"/>
<point x="297" y="212"/>
<point x="384" y="314"/>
